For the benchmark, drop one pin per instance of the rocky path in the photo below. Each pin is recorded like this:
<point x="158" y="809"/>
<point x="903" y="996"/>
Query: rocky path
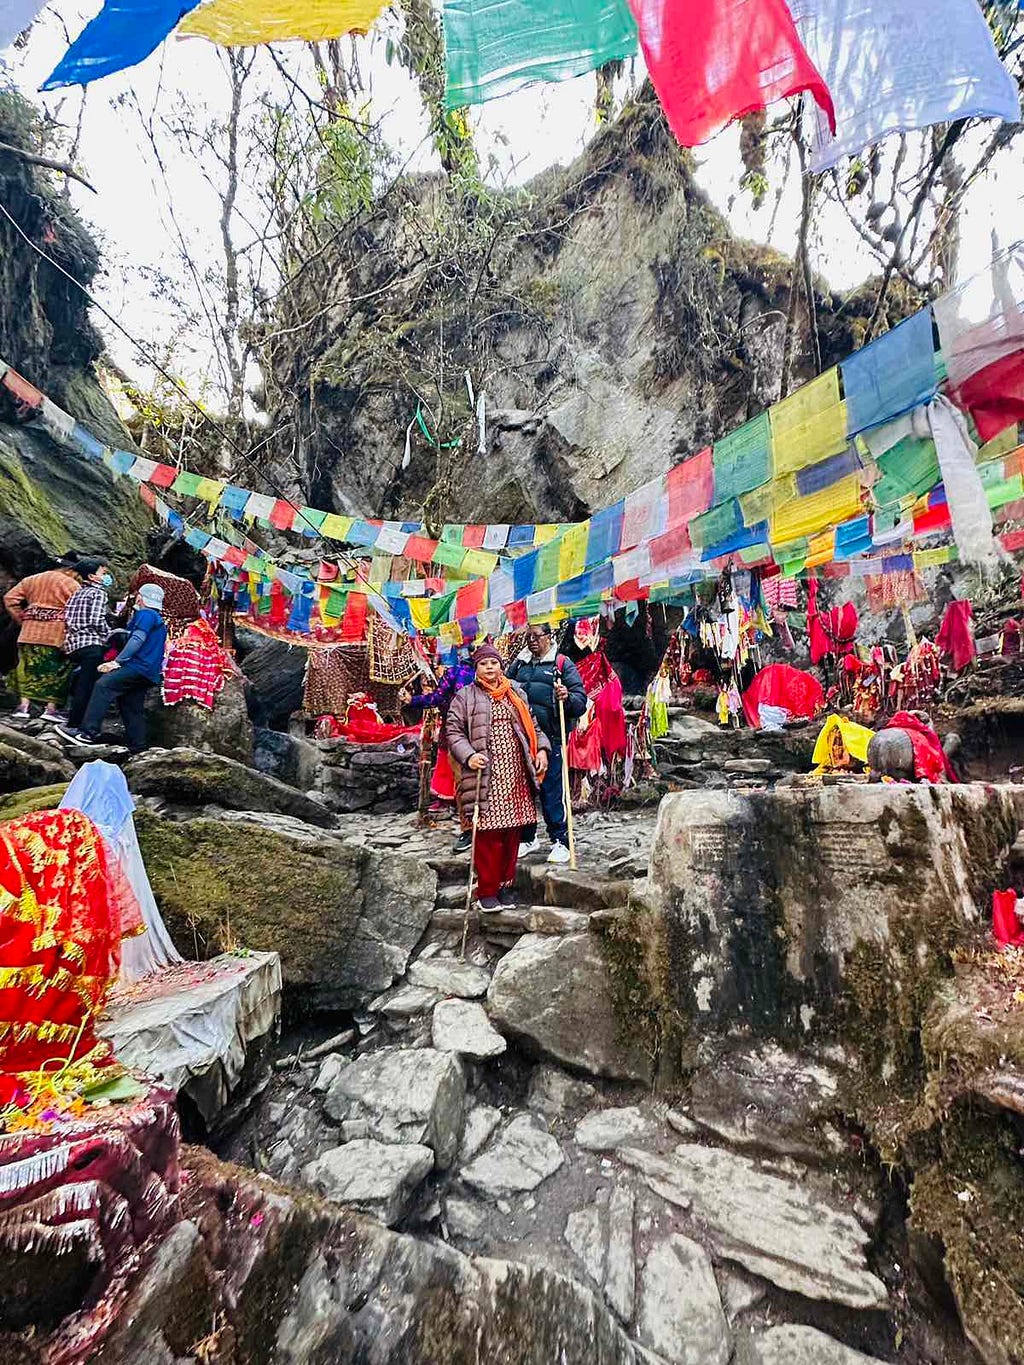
<point x="490" y="1104"/>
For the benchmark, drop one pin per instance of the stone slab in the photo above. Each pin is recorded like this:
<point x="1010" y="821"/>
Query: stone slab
<point x="462" y="1026"/>
<point x="518" y="1160"/>
<point x="449" y="976"/>
<point x="795" y="1345"/>
<point x="415" y="1096"/>
<point x="790" y="1233"/>
<point x="379" y="1178"/>
<point x="606" y="1129"/>
<point x="681" y="1315"/>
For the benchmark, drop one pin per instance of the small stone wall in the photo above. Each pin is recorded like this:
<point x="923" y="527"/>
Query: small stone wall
<point x="381" y="778"/>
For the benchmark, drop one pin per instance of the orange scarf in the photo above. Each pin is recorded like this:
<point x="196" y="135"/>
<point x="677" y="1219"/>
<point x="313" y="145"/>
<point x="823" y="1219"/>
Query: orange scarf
<point x="505" y="689"/>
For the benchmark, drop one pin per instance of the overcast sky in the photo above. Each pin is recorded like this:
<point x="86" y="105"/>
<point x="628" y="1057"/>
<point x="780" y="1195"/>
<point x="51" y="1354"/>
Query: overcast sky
<point x="525" y="132"/>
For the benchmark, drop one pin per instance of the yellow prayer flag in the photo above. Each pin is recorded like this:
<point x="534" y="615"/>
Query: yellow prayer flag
<point x="450" y="632"/>
<point x="999" y="445"/>
<point x="928" y="559"/>
<point x="806" y="516"/>
<point x="336" y="527"/>
<point x="241" y="23"/>
<point x="760" y="504"/>
<point x="821" y="549"/>
<point x="542" y="534"/>
<point x="209" y="490"/>
<point x="809" y="425"/>
<point x="419" y="610"/>
<point x="480" y="563"/>
<point x="572" y="552"/>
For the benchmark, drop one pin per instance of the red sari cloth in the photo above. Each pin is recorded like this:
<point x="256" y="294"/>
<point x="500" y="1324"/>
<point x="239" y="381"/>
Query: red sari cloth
<point x="64" y="909"/>
<point x="1006" y="927"/>
<point x="930" y="761"/>
<point x="956" y="635"/>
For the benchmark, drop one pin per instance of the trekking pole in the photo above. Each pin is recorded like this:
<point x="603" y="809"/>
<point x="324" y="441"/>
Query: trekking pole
<point x="566" y="788"/>
<point x="472" y="863"/>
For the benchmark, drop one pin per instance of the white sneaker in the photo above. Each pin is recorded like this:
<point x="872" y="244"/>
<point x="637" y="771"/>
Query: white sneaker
<point x="526" y="849"/>
<point x="559" y="854"/>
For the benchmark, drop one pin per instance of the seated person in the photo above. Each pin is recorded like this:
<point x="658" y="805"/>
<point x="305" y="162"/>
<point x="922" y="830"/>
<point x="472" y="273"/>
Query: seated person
<point x="128" y="678"/>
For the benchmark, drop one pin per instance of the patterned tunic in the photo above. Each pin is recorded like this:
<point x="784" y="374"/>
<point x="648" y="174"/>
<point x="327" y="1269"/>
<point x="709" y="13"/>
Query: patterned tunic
<point x="512" y="801"/>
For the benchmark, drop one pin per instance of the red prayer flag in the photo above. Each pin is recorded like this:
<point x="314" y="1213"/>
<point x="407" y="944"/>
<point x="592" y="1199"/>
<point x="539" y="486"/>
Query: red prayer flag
<point x="420" y="548"/>
<point x="353" y="624"/>
<point x="471" y="599"/>
<point x="515" y="615"/>
<point x="631" y="591"/>
<point x="147" y="495"/>
<point x="994" y="396"/>
<point x="473" y="537"/>
<point x="163" y="475"/>
<point x="935" y="519"/>
<point x="669" y="547"/>
<point x="233" y="556"/>
<point x="22" y="390"/>
<point x="691" y="486"/>
<point x="712" y="61"/>
<point x="282" y="515"/>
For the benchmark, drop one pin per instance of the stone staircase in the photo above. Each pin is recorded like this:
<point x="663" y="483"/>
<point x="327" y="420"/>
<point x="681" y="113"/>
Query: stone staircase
<point x="552" y="900"/>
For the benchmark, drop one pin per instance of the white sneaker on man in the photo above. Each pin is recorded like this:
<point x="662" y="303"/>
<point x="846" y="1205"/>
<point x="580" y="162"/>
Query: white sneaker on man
<point x="525" y="849"/>
<point x="559" y="854"/>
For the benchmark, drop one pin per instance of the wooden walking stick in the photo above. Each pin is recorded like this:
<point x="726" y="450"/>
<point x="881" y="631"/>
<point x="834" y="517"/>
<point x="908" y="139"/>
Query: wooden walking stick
<point x="566" y="789"/>
<point x="472" y="863"/>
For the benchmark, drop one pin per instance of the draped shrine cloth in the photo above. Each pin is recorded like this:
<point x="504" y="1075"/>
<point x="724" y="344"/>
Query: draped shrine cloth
<point x="195" y="667"/>
<point x="605" y="690"/>
<point x="930" y="761"/>
<point x="181" y="599"/>
<point x="956" y="635"/>
<point x="781" y="685"/>
<point x="242" y="23"/>
<point x="856" y="739"/>
<point x="64" y="907"/>
<point x="17" y="16"/>
<point x="124" y="33"/>
<point x="99" y="790"/>
<point x="495" y="46"/>
<point x="832" y="631"/>
<point x="712" y="61"/>
<point x="896" y="67"/>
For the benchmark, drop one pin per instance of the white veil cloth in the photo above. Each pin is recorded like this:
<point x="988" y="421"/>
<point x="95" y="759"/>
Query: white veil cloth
<point x="100" y="791"/>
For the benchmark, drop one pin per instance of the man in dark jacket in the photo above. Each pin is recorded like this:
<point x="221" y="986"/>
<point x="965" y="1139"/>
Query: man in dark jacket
<point x="548" y="677"/>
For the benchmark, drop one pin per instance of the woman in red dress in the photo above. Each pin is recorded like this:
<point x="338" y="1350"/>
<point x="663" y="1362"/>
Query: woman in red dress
<point x="503" y="755"/>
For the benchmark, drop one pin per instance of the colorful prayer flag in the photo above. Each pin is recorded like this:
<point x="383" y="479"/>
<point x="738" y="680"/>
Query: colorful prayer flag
<point x="124" y="33"/>
<point x="244" y="23"/>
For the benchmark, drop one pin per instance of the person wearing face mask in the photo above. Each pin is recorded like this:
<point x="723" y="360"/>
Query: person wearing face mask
<point x="86" y="634"/>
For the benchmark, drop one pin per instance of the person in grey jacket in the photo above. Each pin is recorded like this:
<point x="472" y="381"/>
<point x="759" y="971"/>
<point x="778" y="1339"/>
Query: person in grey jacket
<point x="548" y="677"/>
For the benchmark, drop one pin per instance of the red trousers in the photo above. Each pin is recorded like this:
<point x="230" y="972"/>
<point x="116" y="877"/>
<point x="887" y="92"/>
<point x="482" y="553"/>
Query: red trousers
<point x="495" y="862"/>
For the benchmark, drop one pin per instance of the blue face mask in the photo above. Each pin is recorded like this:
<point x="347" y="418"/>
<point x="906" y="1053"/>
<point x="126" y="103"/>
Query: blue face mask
<point x="107" y="581"/>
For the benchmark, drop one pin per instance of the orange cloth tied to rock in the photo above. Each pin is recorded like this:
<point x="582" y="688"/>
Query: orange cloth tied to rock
<point x="503" y="690"/>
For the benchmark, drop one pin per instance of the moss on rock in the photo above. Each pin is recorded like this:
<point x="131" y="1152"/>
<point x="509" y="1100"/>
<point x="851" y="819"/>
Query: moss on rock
<point x="27" y="802"/>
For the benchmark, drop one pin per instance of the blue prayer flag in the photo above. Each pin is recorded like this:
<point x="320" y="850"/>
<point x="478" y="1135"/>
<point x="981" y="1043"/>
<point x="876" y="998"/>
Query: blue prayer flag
<point x="815" y="477"/>
<point x="124" y="33"/>
<point x="890" y="376"/>
<point x="87" y="443"/>
<point x="605" y="538"/>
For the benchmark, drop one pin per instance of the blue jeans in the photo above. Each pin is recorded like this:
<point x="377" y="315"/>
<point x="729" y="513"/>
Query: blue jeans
<point x="552" y="803"/>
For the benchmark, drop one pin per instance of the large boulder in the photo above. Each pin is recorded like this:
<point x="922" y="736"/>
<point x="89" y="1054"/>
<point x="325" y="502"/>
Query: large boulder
<point x="407" y="1096"/>
<point x="379" y="1178"/>
<point x="274" y="671"/>
<point x="344" y="918"/>
<point x="29" y="762"/>
<point x="187" y="777"/>
<point x="225" y="730"/>
<point x="557" y="994"/>
<point x="271" y="1278"/>
<point x="827" y="914"/>
<point x="287" y="757"/>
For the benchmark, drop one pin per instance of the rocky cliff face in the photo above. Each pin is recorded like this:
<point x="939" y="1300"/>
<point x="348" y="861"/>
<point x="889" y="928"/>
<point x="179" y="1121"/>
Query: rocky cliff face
<point x="52" y="500"/>
<point x="610" y="317"/>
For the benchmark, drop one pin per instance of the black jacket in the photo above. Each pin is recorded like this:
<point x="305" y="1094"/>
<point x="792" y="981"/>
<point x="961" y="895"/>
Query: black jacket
<point x="538" y="682"/>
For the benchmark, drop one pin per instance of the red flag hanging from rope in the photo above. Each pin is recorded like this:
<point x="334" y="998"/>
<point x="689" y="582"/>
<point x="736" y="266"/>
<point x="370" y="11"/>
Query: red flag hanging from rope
<point x="712" y="61"/>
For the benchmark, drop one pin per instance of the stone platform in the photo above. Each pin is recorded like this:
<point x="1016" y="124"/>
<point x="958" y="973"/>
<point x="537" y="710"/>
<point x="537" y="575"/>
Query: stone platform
<point x="203" y="1028"/>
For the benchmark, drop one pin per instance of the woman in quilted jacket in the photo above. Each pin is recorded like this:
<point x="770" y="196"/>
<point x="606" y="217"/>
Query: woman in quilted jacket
<point x="503" y="755"/>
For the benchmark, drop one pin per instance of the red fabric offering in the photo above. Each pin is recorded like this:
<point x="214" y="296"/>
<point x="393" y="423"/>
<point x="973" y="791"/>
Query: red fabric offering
<point x="442" y="781"/>
<point x="783" y="685"/>
<point x="930" y="761"/>
<point x="353" y="623"/>
<point x="1006" y="927"/>
<point x="64" y="909"/>
<point x="956" y="635"/>
<point x="712" y="61"/>
<point x="994" y="396"/>
<point x="830" y="632"/>
<point x="584" y="748"/>
<point x="195" y="667"/>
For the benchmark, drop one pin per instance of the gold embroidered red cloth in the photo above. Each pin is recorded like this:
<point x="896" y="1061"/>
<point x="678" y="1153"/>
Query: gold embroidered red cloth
<point x="64" y="907"/>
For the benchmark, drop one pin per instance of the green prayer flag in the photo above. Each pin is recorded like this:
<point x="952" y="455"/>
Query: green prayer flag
<point x="440" y="608"/>
<point x="186" y="483"/>
<point x="494" y="46"/>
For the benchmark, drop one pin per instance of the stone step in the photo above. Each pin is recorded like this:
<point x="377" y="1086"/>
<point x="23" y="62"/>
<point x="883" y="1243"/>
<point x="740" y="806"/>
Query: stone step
<point x="535" y="919"/>
<point x="583" y="889"/>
